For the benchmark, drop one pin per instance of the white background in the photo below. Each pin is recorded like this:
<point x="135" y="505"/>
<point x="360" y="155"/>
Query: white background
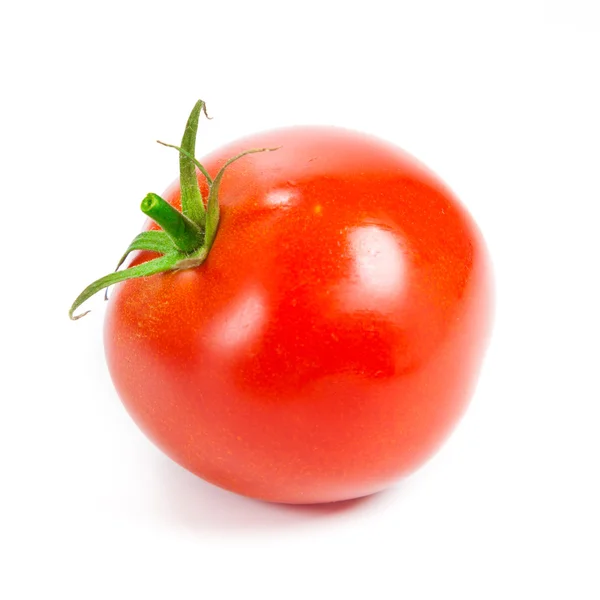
<point x="502" y="99"/>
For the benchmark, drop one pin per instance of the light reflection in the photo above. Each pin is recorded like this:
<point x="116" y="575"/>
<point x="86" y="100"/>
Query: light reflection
<point x="281" y="197"/>
<point x="378" y="268"/>
<point x="241" y="323"/>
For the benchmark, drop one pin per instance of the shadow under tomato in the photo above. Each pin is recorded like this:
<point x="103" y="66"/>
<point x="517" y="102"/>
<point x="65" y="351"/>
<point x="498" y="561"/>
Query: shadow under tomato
<point x="189" y="502"/>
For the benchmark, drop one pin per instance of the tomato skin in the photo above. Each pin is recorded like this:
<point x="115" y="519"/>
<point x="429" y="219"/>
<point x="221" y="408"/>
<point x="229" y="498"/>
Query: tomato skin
<point x="334" y="335"/>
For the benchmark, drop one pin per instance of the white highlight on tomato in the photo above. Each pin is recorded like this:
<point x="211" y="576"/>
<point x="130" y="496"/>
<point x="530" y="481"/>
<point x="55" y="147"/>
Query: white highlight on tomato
<point x="379" y="268"/>
<point x="280" y="197"/>
<point x="241" y="323"/>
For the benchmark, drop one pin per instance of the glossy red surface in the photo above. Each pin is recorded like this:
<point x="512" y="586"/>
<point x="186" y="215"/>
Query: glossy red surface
<point x="334" y="335"/>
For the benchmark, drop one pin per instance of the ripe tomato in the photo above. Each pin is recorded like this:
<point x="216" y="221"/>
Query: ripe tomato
<point x="333" y="336"/>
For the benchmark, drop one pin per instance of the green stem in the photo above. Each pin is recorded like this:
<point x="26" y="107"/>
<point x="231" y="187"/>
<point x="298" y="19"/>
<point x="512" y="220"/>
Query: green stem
<point x="192" y="205"/>
<point x="186" y="235"/>
<point x="186" y="153"/>
<point x="152" y="267"/>
<point x="155" y="241"/>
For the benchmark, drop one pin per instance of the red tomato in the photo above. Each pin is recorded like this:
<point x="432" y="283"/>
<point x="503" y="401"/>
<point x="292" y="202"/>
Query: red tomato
<point x="333" y="337"/>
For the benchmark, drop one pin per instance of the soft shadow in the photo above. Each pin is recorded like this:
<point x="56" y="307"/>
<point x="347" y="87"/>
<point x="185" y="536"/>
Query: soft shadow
<point x="187" y="501"/>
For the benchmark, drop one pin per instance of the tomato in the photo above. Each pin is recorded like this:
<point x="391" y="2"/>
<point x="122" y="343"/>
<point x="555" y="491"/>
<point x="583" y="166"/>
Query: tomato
<point x="333" y="336"/>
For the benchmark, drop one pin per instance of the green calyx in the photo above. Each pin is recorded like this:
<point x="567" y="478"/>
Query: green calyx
<point x="186" y="237"/>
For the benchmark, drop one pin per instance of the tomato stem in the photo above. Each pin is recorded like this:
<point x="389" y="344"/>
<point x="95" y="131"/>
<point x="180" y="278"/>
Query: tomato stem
<point x="192" y="204"/>
<point x="186" y="235"/>
<point x="186" y="153"/>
